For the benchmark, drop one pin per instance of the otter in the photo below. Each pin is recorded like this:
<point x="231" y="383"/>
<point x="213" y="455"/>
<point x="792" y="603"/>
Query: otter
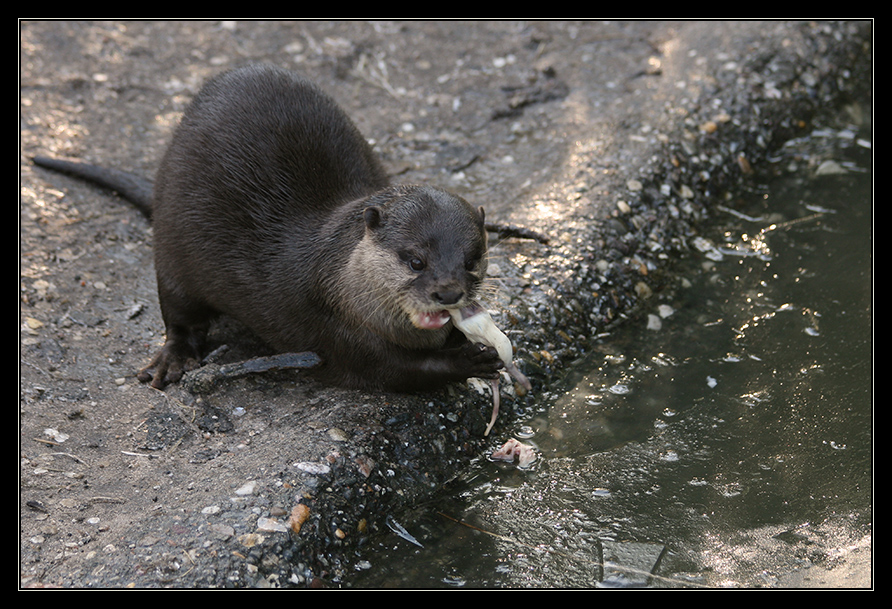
<point x="270" y="207"/>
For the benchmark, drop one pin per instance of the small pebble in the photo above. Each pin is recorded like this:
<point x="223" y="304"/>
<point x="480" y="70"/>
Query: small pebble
<point x="829" y="168"/>
<point x="55" y="435"/>
<point x="313" y="468"/>
<point x="248" y="488"/>
<point x="299" y="515"/>
<point x="271" y="525"/>
<point x="338" y="435"/>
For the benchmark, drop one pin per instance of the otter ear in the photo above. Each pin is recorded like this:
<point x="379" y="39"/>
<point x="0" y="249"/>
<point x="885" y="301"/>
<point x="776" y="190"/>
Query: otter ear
<point x="482" y="215"/>
<point x="374" y="217"/>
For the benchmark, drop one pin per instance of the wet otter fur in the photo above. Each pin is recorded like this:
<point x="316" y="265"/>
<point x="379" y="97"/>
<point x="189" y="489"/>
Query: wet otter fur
<point x="270" y="207"/>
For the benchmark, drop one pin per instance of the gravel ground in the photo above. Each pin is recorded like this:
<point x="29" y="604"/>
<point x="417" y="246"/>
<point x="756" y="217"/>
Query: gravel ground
<point x="614" y="138"/>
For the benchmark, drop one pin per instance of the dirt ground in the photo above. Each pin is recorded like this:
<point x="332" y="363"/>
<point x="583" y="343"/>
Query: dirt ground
<point x="543" y="123"/>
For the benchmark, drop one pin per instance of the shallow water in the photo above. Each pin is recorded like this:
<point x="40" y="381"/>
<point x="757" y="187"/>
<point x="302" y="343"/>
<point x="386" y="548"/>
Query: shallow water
<point x="741" y="399"/>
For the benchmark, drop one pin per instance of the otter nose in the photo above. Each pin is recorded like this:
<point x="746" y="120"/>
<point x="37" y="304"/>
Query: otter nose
<point x="447" y="297"/>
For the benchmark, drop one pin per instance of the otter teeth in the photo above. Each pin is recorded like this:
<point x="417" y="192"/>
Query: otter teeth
<point x="432" y="320"/>
<point x="476" y="324"/>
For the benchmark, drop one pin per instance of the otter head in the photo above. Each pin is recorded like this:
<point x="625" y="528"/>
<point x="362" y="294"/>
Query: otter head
<point x="430" y="247"/>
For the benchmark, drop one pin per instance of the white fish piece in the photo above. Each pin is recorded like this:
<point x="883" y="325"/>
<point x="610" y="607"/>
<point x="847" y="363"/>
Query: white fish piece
<point x="476" y="324"/>
<point x="524" y="453"/>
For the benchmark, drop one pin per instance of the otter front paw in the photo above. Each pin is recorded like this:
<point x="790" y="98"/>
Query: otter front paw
<point x="480" y="361"/>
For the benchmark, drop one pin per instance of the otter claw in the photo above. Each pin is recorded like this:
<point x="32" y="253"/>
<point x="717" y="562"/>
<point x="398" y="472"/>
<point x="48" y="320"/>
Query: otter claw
<point x="484" y="360"/>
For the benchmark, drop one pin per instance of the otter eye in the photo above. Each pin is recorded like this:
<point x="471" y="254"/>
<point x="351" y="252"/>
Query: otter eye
<point x="413" y="261"/>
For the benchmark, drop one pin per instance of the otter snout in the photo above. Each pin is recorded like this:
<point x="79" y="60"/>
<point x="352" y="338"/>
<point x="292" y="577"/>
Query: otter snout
<point x="447" y="297"/>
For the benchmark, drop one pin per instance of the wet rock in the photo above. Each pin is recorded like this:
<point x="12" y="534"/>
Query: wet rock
<point x="629" y="564"/>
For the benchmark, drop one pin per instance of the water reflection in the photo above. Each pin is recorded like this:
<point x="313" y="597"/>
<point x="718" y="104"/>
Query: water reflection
<point x="745" y="404"/>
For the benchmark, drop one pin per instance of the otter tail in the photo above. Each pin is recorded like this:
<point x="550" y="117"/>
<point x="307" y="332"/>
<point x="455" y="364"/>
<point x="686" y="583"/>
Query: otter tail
<point x="136" y="189"/>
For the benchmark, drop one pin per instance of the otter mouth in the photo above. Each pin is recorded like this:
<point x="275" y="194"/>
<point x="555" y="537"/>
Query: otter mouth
<point x="431" y="320"/>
